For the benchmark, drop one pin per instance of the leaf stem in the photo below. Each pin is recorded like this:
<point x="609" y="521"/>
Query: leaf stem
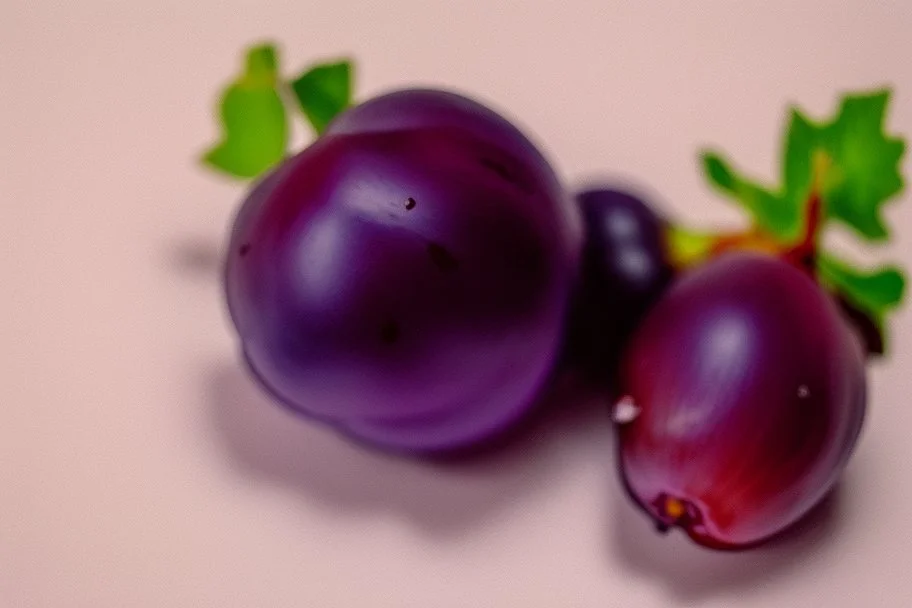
<point x="804" y="253"/>
<point x="690" y="249"/>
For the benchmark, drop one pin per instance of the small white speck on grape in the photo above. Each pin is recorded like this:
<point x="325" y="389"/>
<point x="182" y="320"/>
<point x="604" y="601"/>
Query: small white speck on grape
<point x="625" y="410"/>
<point x="803" y="391"/>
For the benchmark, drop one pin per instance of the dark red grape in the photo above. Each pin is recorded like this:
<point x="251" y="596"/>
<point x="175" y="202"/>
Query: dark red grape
<point x="407" y="285"/>
<point x="625" y="269"/>
<point x="746" y="390"/>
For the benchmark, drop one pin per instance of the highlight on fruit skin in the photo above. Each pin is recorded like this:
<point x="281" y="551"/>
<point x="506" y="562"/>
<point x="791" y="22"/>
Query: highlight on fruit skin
<point x="406" y="277"/>
<point x="749" y="393"/>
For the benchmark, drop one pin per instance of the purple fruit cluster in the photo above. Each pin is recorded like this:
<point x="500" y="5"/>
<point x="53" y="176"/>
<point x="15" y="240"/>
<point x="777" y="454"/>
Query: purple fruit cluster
<point x="417" y="276"/>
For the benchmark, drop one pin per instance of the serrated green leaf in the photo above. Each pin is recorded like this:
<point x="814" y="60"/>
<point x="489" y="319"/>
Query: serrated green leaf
<point x="865" y="164"/>
<point x="861" y="175"/>
<point x="254" y="123"/>
<point x="771" y="211"/>
<point x="875" y="292"/>
<point x="323" y="92"/>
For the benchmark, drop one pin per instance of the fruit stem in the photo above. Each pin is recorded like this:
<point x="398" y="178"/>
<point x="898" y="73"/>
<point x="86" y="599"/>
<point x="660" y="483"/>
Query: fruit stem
<point x="754" y="240"/>
<point x="674" y="508"/>
<point x="804" y="253"/>
<point x="674" y="512"/>
<point x="688" y="249"/>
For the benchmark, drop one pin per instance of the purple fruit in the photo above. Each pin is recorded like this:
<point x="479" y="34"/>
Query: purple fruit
<point x="410" y="109"/>
<point x="406" y="284"/>
<point x="744" y="395"/>
<point x="625" y="269"/>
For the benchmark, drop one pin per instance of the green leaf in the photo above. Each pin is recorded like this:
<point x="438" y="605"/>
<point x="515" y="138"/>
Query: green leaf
<point x="860" y="171"/>
<point x="801" y="141"/>
<point x="255" y="129"/>
<point x="865" y="164"/>
<point x="323" y="92"/>
<point x="875" y="292"/>
<point x="719" y="173"/>
<point x="771" y="211"/>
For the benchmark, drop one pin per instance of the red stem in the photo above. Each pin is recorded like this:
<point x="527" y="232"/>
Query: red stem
<point x="804" y="253"/>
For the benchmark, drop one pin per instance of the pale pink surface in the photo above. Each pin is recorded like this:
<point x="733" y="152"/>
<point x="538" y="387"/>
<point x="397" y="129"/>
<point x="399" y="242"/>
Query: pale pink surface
<point x="140" y="467"/>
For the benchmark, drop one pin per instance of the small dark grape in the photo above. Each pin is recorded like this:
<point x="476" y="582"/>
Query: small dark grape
<point x="625" y="269"/>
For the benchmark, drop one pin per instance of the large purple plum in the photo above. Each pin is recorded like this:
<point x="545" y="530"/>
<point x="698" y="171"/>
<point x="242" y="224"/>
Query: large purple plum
<point x="407" y="284"/>
<point x="744" y="396"/>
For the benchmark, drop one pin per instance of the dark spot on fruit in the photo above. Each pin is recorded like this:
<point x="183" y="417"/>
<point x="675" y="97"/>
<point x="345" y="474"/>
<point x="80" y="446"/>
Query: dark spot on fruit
<point x="497" y="168"/>
<point x="442" y="258"/>
<point x="410" y="203"/>
<point x="389" y="333"/>
<point x="244" y="249"/>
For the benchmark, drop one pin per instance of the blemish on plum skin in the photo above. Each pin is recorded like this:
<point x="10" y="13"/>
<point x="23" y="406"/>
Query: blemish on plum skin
<point x="497" y="168"/>
<point x="442" y="258"/>
<point x="390" y="332"/>
<point x="410" y="203"/>
<point x="244" y="249"/>
<point x="504" y="173"/>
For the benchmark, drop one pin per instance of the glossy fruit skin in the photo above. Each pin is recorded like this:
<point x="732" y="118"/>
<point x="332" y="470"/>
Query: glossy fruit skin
<point x="407" y="285"/>
<point x="411" y="109"/>
<point x="752" y="395"/>
<point x="624" y="270"/>
<point x="418" y="109"/>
